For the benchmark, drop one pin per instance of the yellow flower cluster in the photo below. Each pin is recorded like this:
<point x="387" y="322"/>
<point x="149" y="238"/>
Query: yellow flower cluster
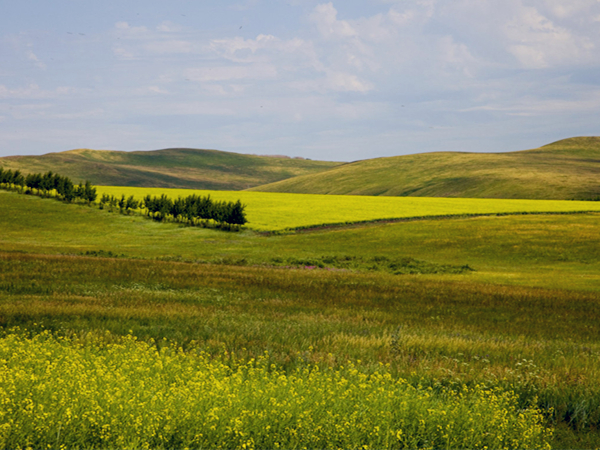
<point x="57" y="393"/>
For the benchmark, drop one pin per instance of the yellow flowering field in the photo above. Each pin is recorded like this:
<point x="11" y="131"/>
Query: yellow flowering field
<point x="276" y="211"/>
<point x="61" y="393"/>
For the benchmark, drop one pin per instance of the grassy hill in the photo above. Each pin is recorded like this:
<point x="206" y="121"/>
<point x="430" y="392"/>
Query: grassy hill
<point x="173" y="168"/>
<point x="567" y="169"/>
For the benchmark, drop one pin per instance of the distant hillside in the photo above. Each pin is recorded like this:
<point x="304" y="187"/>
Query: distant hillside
<point x="173" y="168"/>
<point x="567" y="169"/>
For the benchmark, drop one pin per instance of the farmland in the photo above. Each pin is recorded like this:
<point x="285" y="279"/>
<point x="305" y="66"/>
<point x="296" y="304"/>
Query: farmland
<point x="90" y="286"/>
<point x="278" y="211"/>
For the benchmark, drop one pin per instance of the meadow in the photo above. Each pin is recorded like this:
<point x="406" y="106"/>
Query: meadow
<point x="513" y="338"/>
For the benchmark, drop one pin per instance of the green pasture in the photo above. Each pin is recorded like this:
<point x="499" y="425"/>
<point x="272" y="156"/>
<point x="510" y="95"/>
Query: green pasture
<point x="277" y="211"/>
<point x="531" y="250"/>
<point x="523" y="321"/>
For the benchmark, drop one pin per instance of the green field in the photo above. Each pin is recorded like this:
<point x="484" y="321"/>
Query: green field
<point x="522" y="322"/>
<point x="171" y="168"/>
<point x="567" y="169"/>
<point x="278" y="211"/>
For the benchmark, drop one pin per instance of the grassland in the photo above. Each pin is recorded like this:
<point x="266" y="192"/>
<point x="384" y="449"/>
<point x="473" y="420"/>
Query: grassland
<point x="567" y="169"/>
<point x="278" y="211"/>
<point x="525" y="321"/>
<point x="172" y="168"/>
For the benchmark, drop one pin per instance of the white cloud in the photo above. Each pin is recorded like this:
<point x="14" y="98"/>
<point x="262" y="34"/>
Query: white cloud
<point x="565" y="9"/>
<point x="531" y="105"/>
<point x="537" y="42"/>
<point x="128" y="29"/>
<point x="155" y="90"/>
<point x="244" y="6"/>
<point x="169" y="47"/>
<point x="333" y="81"/>
<point x="456" y="55"/>
<point x="227" y="73"/>
<point x="325" y="18"/>
<point x="169" y="27"/>
<point x="32" y="57"/>
<point x="123" y="53"/>
<point x="33" y="91"/>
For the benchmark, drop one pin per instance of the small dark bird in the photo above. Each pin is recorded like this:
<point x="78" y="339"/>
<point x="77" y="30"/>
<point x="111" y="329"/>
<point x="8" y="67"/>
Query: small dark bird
<point x="241" y="27"/>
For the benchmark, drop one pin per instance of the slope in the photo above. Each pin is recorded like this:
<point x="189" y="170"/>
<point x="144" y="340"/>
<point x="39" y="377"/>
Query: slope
<point x="567" y="169"/>
<point x="173" y="168"/>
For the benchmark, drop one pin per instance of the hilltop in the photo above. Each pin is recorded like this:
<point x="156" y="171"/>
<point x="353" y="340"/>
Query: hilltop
<point x="168" y="168"/>
<point x="566" y="169"/>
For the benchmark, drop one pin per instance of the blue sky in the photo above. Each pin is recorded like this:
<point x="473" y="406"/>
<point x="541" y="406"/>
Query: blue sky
<point x="339" y="80"/>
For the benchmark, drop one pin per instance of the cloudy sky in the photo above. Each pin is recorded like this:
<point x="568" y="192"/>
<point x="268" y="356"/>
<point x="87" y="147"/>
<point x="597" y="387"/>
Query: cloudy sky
<point x="339" y="80"/>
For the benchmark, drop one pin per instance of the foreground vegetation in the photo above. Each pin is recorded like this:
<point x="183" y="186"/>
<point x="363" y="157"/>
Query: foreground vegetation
<point x="448" y="336"/>
<point x="131" y="395"/>
<point x="522" y="325"/>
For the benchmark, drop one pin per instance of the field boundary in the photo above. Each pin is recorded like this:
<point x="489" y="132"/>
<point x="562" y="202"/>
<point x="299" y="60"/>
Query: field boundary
<point x="359" y="223"/>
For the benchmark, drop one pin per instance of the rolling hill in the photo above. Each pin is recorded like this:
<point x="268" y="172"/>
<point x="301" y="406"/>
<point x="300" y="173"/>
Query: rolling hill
<point x="567" y="169"/>
<point x="172" y="168"/>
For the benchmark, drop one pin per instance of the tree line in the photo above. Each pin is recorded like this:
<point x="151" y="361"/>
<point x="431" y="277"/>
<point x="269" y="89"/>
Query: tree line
<point x="192" y="210"/>
<point x="47" y="185"/>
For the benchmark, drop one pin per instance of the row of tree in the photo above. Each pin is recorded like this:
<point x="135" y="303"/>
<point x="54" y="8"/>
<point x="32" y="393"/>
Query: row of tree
<point x="125" y="205"/>
<point x="47" y="185"/>
<point x="194" y="207"/>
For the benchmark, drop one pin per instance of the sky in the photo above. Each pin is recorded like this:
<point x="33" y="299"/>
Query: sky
<point x="339" y="80"/>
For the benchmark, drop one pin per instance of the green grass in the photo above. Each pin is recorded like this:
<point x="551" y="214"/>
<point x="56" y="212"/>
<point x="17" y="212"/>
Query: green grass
<point x="279" y="211"/>
<point x="568" y="169"/>
<point x="531" y="250"/>
<point x="525" y="321"/>
<point x="540" y="344"/>
<point x="173" y="168"/>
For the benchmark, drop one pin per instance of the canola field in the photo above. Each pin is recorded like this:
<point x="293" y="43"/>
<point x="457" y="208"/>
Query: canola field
<point x="268" y="211"/>
<point x="59" y="393"/>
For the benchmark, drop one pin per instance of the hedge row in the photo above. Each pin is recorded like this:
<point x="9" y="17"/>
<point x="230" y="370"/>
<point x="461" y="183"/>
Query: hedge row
<point x="193" y="209"/>
<point x="47" y="184"/>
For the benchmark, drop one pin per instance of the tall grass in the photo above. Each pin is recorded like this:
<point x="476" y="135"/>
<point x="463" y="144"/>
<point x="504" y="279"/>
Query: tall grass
<point x="540" y="344"/>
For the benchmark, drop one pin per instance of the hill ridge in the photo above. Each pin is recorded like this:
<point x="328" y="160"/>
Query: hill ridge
<point x="176" y="167"/>
<point x="566" y="169"/>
